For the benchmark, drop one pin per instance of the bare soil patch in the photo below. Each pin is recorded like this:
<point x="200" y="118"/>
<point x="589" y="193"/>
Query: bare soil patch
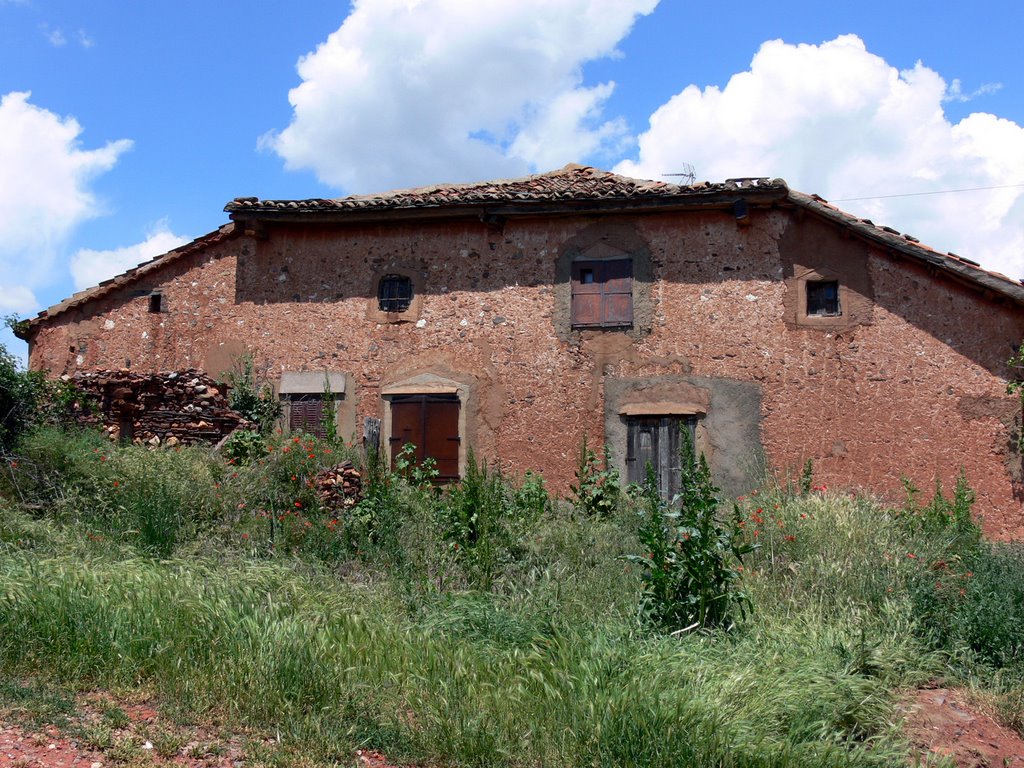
<point x="101" y="731"/>
<point x="941" y="722"/>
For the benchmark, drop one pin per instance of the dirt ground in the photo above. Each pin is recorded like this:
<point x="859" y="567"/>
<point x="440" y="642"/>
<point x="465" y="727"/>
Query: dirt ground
<point x="941" y="722"/>
<point x="102" y="732"/>
<point x="98" y="730"/>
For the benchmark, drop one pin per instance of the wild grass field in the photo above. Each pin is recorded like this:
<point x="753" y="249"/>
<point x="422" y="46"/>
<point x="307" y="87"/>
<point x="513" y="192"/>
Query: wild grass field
<point x="489" y="624"/>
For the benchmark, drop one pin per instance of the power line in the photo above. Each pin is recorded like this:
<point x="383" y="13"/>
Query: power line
<point x="917" y="194"/>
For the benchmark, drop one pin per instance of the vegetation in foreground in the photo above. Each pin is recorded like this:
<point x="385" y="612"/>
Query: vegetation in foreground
<point x="488" y="624"/>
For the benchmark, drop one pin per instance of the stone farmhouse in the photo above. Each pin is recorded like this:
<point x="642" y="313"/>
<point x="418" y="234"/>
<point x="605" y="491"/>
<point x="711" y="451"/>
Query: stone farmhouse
<point x="517" y="317"/>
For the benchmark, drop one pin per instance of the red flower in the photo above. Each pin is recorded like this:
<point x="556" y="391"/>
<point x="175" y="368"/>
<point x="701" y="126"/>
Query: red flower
<point x="245" y="535"/>
<point x="789" y="538"/>
<point x="298" y="504"/>
<point x="911" y="555"/>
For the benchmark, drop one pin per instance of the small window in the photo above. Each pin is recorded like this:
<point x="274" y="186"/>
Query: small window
<point x="394" y="293"/>
<point x="156" y="302"/>
<point x="602" y="294"/>
<point x="306" y="414"/>
<point x="823" y="298"/>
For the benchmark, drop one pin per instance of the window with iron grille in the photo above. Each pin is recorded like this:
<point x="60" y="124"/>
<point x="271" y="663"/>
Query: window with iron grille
<point x="823" y="298"/>
<point x="602" y="294"/>
<point x="394" y="293"/>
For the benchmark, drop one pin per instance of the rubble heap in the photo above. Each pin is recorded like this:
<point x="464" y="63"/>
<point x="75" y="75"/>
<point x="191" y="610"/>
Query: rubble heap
<point x="339" y="487"/>
<point x="169" y="408"/>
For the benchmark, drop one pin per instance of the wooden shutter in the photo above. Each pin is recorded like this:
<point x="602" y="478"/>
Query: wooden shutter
<point x="406" y="425"/>
<point x="307" y="414"/>
<point x="441" y="441"/>
<point x="655" y="440"/>
<point x="586" y="293"/>
<point x="602" y="294"/>
<point x="617" y="310"/>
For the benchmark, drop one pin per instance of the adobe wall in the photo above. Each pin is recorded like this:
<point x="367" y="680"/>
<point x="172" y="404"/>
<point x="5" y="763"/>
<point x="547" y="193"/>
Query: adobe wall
<point x="911" y="383"/>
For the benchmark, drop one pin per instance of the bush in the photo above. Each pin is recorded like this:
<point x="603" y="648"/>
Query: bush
<point x="244" y="446"/>
<point x="690" y="576"/>
<point x="597" y="490"/>
<point x="975" y="604"/>
<point x="484" y="518"/>
<point x="254" y="400"/>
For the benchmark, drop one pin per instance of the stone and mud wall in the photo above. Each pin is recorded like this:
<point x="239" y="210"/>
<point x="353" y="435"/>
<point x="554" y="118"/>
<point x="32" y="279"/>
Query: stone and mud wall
<point x="909" y="382"/>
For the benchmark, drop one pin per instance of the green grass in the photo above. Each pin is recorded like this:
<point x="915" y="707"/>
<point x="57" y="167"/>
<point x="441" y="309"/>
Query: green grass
<point x="382" y="637"/>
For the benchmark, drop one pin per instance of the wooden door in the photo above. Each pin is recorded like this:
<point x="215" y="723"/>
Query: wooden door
<point x="431" y="424"/>
<point x="655" y="441"/>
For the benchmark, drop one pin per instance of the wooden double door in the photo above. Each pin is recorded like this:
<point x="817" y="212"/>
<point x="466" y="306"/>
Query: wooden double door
<point x="430" y="423"/>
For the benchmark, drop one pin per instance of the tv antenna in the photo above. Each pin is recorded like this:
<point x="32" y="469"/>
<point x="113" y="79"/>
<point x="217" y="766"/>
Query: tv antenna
<point x="687" y="175"/>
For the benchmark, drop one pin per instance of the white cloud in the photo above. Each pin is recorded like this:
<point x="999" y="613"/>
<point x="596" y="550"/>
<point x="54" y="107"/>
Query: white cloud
<point x="54" y="37"/>
<point x="955" y="91"/>
<point x="16" y="299"/>
<point x="422" y="91"/>
<point x="44" y="193"/>
<point x="89" y="267"/>
<point x="837" y="120"/>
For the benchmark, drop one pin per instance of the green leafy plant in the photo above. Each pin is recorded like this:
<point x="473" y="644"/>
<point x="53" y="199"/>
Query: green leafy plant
<point x="244" y="446"/>
<point x="597" y="490"/>
<point x="942" y="514"/>
<point x="251" y="398"/>
<point x="807" y="478"/>
<point x="690" y="561"/>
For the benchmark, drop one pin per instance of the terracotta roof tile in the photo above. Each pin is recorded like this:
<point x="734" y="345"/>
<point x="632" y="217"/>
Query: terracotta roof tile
<point x="571" y="183"/>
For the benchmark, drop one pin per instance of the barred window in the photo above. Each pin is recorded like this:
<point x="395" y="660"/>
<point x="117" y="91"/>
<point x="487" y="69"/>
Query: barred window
<point x="394" y="293"/>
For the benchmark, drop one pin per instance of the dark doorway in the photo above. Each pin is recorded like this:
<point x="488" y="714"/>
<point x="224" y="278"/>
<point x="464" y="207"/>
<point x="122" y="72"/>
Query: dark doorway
<point x="655" y="441"/>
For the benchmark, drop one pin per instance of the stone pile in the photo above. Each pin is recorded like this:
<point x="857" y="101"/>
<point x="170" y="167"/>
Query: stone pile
<point x="176" y="407"/>
<point x="339" y="487"/>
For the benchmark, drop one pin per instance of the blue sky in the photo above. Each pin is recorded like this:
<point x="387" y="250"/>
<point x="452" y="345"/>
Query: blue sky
<point x="143" y="119"/>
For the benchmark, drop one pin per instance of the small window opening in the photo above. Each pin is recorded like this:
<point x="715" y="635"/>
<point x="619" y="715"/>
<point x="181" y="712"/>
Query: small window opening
<point x="587" y="276"/>
<point x="156" y="301"/>
<point x="394" y="293"/>
<point x="823" y="298"/>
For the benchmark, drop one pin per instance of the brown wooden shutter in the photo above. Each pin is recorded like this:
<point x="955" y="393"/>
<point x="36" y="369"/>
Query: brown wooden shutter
<point x="618" y="293"/>
<point x="586" y="293"/>
<point x="602" y="294"/>
<point x="307" y="414"/>
<point x="406" y="425"/>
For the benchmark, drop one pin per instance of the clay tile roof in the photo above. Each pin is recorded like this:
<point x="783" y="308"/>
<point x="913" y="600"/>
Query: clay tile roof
<point x="576" y="184"/>
<point x="571" y="183"/>
<point x="962" y="268"/>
